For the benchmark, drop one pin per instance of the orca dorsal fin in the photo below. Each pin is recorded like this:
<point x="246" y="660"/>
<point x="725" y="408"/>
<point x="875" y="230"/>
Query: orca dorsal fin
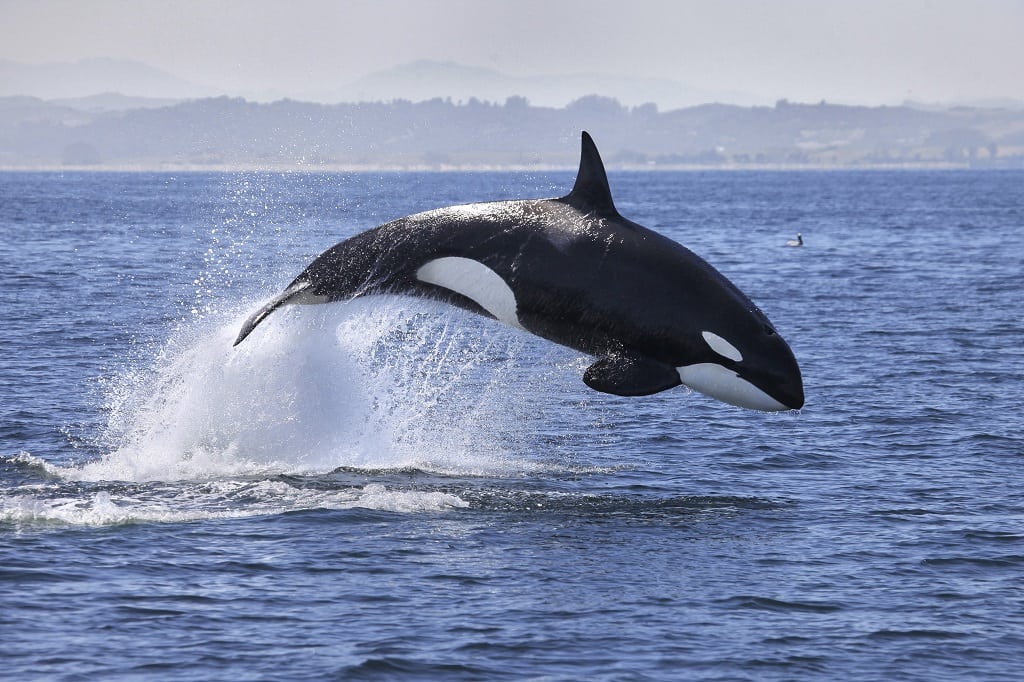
<point x="591" y="193"/>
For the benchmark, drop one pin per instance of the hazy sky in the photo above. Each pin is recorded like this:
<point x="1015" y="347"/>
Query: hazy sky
<point x="855" y="51"/>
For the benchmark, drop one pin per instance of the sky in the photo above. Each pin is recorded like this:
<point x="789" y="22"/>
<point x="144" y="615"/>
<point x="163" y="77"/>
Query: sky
<point x="857" y="52"/>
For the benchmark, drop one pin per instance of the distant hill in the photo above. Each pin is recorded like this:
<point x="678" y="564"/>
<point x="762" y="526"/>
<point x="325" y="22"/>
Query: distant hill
<point x="227" y="132"/>
<point x="417" y="82"/>
<point x="91" y="76"/>
<point x="112" y="101"/>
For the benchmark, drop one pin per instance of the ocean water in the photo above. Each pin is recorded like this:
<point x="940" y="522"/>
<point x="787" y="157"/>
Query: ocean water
<point x="393" y="489"/>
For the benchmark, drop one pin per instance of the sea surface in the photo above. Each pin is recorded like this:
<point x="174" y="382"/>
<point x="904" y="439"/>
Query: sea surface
<point x="395" y="489"/>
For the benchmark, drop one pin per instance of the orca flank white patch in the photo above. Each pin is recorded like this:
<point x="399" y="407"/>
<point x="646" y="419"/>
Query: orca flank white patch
<point x="722" y="347"/>
<point x="475" y="281"/>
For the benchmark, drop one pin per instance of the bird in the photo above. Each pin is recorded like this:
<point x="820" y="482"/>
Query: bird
<point x="799" y="241"/>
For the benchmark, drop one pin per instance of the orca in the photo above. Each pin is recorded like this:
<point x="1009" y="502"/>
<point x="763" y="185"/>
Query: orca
<point x="573" y="271"/>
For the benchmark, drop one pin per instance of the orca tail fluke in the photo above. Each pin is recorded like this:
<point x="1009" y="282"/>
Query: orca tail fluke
<point x="273" y="304"/>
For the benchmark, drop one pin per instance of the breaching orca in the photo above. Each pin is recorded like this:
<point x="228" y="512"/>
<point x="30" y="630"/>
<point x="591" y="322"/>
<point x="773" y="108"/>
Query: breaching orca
<point x="575" y="272"/>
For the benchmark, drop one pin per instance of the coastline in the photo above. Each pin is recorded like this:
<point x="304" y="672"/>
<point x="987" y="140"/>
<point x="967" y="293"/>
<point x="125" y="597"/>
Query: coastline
<point x="168" y="167"/>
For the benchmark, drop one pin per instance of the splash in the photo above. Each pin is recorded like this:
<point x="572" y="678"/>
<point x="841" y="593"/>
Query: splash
<point x="382" y="383"/>
<point x="382" y="386"/>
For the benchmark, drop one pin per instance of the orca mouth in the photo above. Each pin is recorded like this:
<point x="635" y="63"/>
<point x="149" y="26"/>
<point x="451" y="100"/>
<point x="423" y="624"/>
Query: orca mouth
<point x="787" y="389"/>
<point x="779" y="378"/>
<point x="790" y="396"/>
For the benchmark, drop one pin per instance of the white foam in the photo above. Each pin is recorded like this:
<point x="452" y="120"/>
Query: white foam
<point x="376" y="496"/>
<point x="213" y="500"/>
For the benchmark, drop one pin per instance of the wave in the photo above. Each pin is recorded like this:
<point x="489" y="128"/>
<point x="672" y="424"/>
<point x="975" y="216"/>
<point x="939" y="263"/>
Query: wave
<point x="56" y="501"/>
<point x="227" y="499"/>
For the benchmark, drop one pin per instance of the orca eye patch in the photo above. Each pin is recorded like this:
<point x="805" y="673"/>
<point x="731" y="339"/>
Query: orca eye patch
<point x="722" y="347"/>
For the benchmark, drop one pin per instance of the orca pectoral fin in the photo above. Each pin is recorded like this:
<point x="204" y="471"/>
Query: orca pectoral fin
<point x="630" y="374"/>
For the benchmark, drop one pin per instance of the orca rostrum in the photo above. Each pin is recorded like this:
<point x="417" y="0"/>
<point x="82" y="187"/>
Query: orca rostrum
<point x="573" y="271"/>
